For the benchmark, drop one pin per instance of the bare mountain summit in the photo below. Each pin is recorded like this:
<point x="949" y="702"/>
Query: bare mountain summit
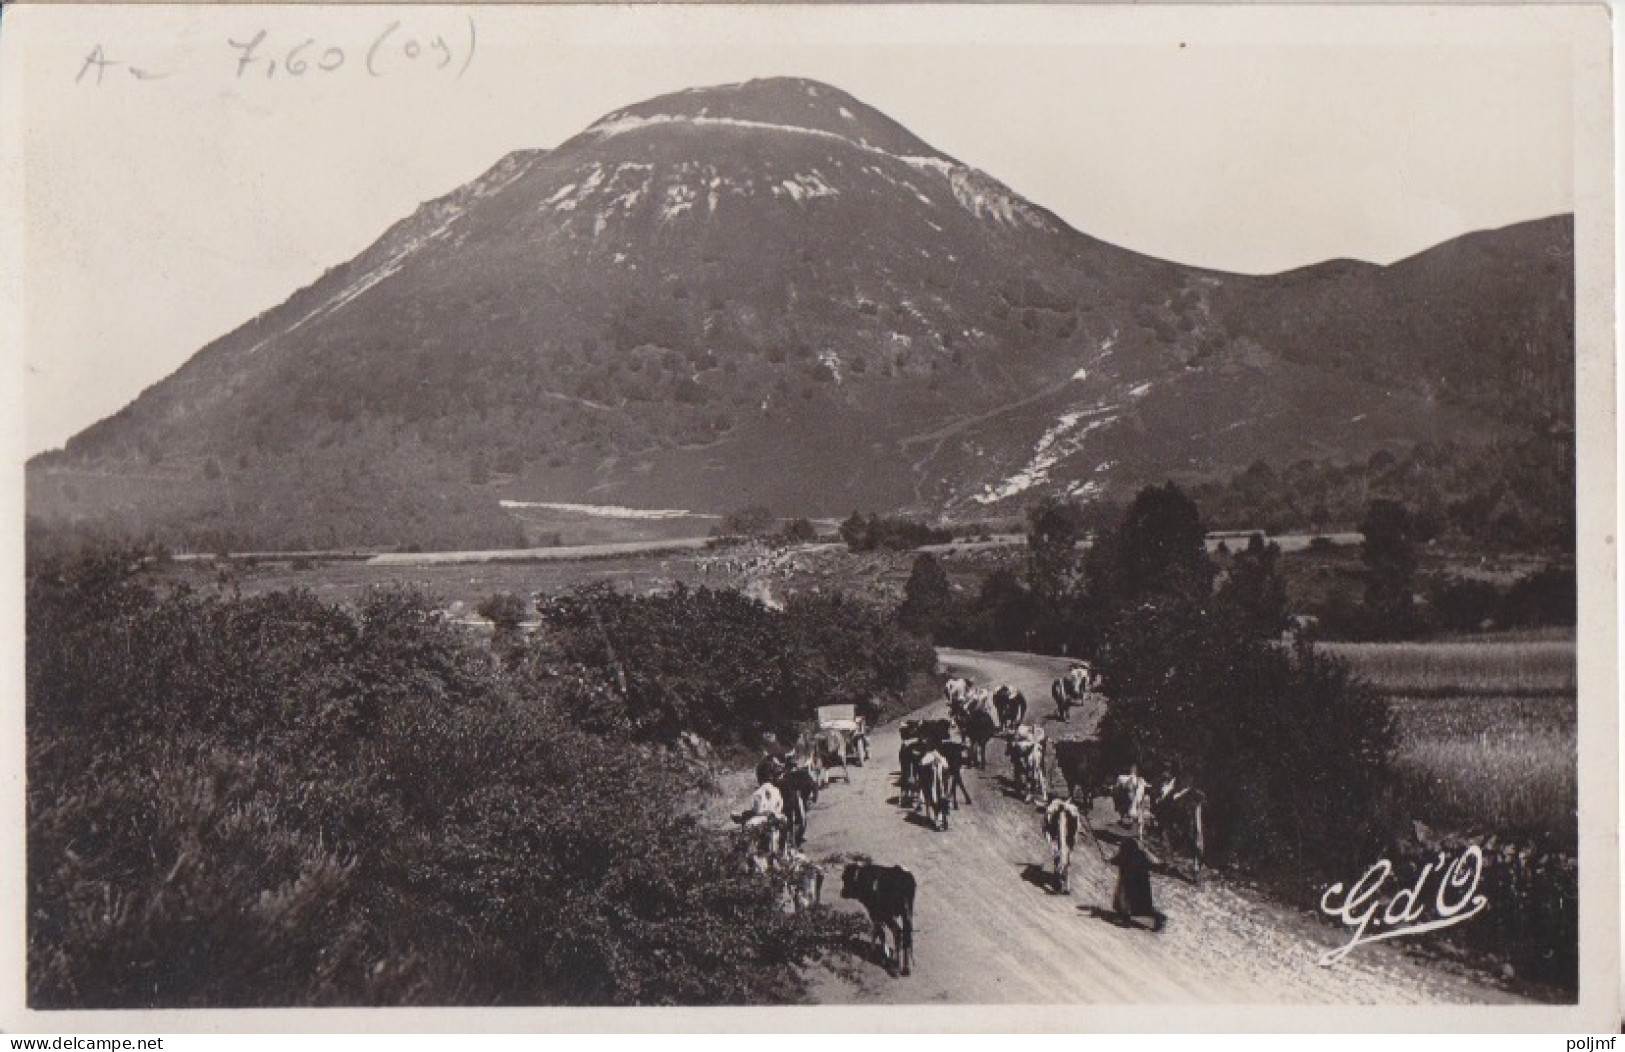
<point x="770" y="293"/>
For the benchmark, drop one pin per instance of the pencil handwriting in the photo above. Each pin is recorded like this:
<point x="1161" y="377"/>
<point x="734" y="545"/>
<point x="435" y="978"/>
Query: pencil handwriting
<point x="393" y="49"/>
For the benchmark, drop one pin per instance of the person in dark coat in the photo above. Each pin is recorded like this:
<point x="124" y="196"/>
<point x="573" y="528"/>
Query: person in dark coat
<point x="1133" y="896"/>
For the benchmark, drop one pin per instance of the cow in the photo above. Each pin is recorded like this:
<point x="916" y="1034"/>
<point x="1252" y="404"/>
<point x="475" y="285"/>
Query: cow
<point x="1010" y="706"/>
<point x="931" y="776"/>
<point x="1130" y="797"/>
<point x="979" y="698"/>
<point x="764" y="839"/>
<point x="830" y="746"/>
<point x="1061" y="691"/>
<point x="1070" y="688"/>
<point x="982" y="728"/>
<point x="1177" y="812"/>
<point x="1026" y="754"/>
<point x="770" y="768"/>
<point x="887" y="893"/>
<point x="798" y="788"/>
<point x="820" y="774"/>
<point x="956" y="754"/>
<point x="956" y="690"/>
<point x="908" y="777"/>
<point x="1082" y="764"/>
<point x="1061" y="819"/>
<point x="806" y="881"/>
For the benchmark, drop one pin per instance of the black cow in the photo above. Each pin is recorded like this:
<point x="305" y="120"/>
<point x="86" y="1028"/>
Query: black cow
<point x="1011" y="706"/>
<point x="887" y="893"/>
<point x="1083" y="765"/>
<point x="770" y="768"/>
<point x="956" y="753"/>
<point x="799" y="788"/>
<point x="908" y="778"/>
<point x="1177" y="812"/>
<point x="982" y="729"/>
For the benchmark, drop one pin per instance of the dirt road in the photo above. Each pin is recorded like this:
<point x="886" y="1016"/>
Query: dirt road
<point x="988" y="930"/>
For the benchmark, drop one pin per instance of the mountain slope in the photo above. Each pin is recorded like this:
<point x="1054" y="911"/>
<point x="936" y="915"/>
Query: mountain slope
<point x="758" y="293"/>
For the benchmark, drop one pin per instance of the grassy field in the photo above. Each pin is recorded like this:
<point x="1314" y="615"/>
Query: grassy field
<point x="462" y="582"/>
<point x="1532" y="668"/>
<point x="1503" y="766"/>
<point x="1487" y="732"/>
<point x="460" y="586"/>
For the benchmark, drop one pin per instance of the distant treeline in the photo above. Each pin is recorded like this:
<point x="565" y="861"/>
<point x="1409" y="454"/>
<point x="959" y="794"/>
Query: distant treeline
<point x="1510" y="496"/>
<point x="866" y="534"/>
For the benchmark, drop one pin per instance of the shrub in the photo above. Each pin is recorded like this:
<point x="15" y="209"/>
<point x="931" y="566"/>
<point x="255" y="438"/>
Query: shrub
<point x="1549" y="596"/>
<point x="753" y="521"/>
<point x="889" y="534"/>
<point x="1291" y="751"/>
<point x="798" y="531"/>
<point x="273" y="801"/>
<point x="714" y="661"/>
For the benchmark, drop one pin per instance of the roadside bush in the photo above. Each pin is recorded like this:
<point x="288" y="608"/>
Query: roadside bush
<point x="714" y="661"/>
<point x="1532" y="923"/>
<point x="1291" y="751"/>
<point x="1549" y="596"/>
<point x="1464" y="605"/>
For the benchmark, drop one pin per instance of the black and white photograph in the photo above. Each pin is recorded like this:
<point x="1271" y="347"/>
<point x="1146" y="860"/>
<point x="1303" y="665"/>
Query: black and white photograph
<point x="1077" y="517"/>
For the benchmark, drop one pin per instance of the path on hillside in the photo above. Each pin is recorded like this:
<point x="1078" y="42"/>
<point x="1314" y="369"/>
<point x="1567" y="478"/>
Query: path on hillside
<point x="988" y="931"/>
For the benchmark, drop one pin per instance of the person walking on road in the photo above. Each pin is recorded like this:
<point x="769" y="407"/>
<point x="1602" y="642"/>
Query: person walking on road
<point x="1133" y="896"/>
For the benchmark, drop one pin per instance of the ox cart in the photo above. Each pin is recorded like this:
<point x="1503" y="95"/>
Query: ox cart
<point x="842" y="736"/>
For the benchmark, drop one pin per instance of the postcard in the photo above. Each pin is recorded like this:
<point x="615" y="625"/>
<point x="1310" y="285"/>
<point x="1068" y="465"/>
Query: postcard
<point x="585" y="517"/>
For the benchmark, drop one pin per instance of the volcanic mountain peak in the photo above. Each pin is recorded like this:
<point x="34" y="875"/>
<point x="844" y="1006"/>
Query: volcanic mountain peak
<point x="797" y="122"/>
<point x="783" y="104"/>
<point x="771" y="293"/>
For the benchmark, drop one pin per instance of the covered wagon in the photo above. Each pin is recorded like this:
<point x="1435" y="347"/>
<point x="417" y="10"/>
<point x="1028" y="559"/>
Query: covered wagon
<point x="842" y="736"/>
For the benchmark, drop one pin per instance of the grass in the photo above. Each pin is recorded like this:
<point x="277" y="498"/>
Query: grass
<point x="1487" y="740"/>
<point x="1503" y="765"/>
<point x="1538" y="668"/>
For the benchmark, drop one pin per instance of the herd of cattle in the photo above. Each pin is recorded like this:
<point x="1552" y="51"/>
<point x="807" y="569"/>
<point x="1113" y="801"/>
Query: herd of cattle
<point x="931" y="760"/>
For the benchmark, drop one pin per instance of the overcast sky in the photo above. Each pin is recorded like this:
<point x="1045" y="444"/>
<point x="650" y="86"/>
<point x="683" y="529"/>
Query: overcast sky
<point x="170" y="197"/>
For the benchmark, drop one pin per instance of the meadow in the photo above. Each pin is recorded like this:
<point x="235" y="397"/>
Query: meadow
<point x="1477" y="668"/>
<point x="1487" y="739"/>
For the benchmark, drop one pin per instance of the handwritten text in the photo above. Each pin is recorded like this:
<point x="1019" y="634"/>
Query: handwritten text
<point x="395" y="48"/>
<point x="1364" y="908"/>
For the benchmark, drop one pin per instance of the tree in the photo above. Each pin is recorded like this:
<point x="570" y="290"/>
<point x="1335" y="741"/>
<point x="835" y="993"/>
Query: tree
<point x="1256" y="589"/>
<point x="1060" y="621"/>
<point x="927" y="597"/>
<point x="1389" y="552"/>
<point x="1158" y="548"/>
<point x="506" y="612"/>
<point x="799" y="531"/>
<point x="752" y="521"/>
<point x="855" y="532"/>
<point x="1007" y="607"/>
<point x="1054" y="528"/>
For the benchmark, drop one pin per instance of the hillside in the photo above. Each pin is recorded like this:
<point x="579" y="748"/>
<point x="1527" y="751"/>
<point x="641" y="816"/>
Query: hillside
<point x="770" y="293"/>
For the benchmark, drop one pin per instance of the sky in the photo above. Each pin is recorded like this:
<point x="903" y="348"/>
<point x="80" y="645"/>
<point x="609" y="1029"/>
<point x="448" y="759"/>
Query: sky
<point x="175" y="185"/>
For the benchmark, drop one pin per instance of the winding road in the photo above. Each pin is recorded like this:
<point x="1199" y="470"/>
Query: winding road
<point x="989" y="931"/>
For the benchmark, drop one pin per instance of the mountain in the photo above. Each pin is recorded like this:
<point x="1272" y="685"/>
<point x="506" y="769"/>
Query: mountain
<point x="771" y="293"/>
